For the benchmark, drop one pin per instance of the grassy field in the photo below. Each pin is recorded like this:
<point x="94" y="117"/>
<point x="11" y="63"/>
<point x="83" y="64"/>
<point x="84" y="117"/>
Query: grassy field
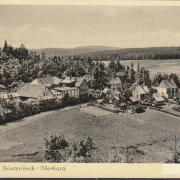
<point x="154" y="66"/>
<point x="94" y="111"/>
<point x="152" y="132"/>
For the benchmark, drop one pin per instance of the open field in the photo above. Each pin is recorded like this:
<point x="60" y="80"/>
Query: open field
<point x="154" y="66"/>
<point x="94" y="111"/>
<point x="151" y="131"/>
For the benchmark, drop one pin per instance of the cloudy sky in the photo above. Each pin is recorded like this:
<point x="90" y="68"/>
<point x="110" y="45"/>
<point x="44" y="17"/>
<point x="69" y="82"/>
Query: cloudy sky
<point x="73" y="26"/>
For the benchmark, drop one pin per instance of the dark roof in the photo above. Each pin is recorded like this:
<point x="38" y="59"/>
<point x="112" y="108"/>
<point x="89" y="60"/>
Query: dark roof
<point x="167" y="84"/>
<point x="137" y="106"/>
<point x="78" y="80"/>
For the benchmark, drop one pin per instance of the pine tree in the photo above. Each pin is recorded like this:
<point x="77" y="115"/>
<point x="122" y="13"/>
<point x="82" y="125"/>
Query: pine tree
<point x="138" y="67"/>
<point x="5" y="48"/>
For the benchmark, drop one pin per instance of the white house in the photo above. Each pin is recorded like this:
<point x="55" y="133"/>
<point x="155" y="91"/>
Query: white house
<point x="167" y="89"/>
<point x="140" y="92"/>
<point x="60" y="92"/>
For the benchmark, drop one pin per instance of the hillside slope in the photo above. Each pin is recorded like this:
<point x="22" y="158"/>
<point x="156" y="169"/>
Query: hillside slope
<point x="72" y="51"/>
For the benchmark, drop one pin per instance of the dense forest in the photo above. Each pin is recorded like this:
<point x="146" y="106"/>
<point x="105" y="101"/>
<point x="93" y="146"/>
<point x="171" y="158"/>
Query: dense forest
<point x="136" y="53"/>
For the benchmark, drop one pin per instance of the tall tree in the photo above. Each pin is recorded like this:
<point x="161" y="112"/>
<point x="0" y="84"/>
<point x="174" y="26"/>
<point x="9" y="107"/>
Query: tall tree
<point x="5" y="48"/>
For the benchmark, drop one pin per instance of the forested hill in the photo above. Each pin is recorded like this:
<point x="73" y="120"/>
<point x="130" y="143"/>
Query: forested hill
<point x="71" y="51"/>
<point x="136" y="53"/>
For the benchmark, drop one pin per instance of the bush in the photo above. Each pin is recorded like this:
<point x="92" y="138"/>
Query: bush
<point x="58" y="149"/>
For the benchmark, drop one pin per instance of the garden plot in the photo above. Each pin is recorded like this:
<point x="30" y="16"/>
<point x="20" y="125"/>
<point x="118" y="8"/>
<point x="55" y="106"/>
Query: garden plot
<point x="95" y="111"/>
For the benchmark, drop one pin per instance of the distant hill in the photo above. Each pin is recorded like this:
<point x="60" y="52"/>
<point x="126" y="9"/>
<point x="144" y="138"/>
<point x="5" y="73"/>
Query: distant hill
<point x="72" y="51"/>
<point x="138" y="53"/>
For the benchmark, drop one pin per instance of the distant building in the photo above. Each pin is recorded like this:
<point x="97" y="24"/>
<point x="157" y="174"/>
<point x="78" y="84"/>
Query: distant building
<point x="134" y="100"/>
<point x="167" y="89"/>
<point x="114" y="82"/>
<point x="79" y="82"/>
<point x="158" y="99"/>
<point x="140" y="92"/>
<point x="60" y="92"/>
<point x="34" y="91"/>
<point x="110" y="96"/>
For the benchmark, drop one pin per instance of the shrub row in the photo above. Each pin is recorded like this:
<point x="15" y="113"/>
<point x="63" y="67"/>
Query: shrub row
<point x="15" y="110"/>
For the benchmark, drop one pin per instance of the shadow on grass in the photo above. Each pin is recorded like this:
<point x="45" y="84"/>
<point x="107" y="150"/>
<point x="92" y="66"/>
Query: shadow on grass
<point x="139" y="111"/>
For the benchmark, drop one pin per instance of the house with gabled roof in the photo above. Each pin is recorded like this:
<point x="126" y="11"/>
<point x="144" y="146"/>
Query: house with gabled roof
<point x="47" y="81"/>
<point x="167" y="89"/>
<point x="115" y="82"/>
<point x="140" y="92"/>
<point x="34" y="91"/>
<point x="157" y="98"/>
<point x="110" y="97"/>
<point x="60" y="92"/>
<point x="79" y="82"/>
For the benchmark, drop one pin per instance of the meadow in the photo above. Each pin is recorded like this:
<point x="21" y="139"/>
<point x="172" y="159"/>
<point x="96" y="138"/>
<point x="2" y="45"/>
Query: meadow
<point x="152" y="132"/>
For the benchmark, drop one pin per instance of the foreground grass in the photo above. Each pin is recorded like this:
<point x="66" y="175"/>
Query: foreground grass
<point x="151" y="131"/>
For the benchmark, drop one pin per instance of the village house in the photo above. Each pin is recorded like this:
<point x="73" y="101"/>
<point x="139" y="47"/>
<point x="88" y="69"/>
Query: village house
<point x="78" y="82"/>
<point x="34" y="91"/>
<point x="158" y="99"/>
<point x="167" y="89"/>
<point x="111" y="97"/>
<point x="47" y="81"/>
<point x="114" y="82"/>
<point x="60" y="92"/>
<point x="140" y="92"/>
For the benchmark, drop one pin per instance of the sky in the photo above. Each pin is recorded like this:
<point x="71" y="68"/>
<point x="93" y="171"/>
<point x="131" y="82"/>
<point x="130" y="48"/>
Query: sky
<point x="74" y="26"/>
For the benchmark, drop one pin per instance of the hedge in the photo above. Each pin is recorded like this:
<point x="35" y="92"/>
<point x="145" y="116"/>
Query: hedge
<point x="25" y="109"/>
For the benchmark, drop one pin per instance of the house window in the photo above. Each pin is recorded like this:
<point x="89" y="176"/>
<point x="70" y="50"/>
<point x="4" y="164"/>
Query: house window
<point x="110" y="101"/>
<point x="109" y="95"/>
